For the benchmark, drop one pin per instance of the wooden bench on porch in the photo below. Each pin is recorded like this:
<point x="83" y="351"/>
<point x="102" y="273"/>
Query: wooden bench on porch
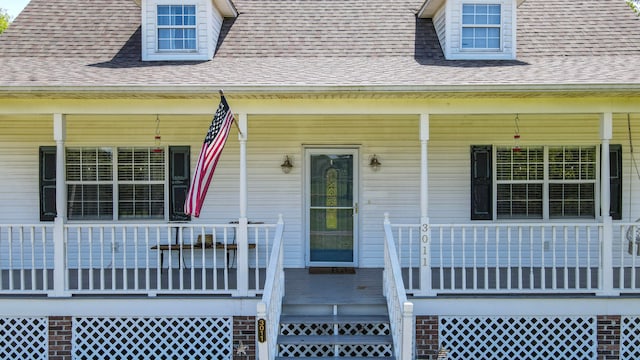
<point x="208" y="243"/>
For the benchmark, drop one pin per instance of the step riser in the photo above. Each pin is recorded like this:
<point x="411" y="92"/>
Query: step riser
<point x="329" y="309"/>
<point x="368" y="351"/>
<point x="363" y="329"/>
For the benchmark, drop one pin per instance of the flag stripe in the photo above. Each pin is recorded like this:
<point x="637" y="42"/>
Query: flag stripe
<point x="210" y="153"/>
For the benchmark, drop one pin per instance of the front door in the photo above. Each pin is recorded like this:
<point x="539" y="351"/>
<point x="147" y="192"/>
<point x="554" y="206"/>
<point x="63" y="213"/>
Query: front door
<point x="332" y="206"/>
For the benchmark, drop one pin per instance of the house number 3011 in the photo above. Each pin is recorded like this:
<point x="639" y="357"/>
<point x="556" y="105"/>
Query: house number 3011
<point x="262" y="330"/>
<point x="424" y="239"/>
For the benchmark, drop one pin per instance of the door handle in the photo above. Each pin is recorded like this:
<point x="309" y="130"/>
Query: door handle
<point x="355" y="208"/>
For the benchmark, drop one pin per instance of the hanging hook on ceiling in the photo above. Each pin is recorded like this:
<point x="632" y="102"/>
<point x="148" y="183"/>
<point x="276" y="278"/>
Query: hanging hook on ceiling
<point x="516" y="135"/>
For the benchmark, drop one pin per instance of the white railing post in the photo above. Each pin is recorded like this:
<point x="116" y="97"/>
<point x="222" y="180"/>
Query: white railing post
<point x="261" y="329"/>
<point x="425" y="257"/>
<point x="408" y="326"/>
<point x="59" y="263"/>
<point x="243" y="256"/>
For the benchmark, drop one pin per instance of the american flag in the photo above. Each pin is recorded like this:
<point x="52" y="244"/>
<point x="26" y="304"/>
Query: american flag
<point x="208" y="159"/>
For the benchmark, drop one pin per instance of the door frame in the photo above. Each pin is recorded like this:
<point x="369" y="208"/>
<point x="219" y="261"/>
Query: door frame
<point x="337" y="149"/>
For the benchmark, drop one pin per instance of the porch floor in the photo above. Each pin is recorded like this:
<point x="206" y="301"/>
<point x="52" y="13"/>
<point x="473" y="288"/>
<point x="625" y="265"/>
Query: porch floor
<point x="363" y="287"/>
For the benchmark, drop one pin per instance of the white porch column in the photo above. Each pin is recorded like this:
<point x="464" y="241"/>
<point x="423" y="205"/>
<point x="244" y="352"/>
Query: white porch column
<point x="425" y="231"/>
<point x="59" y="135"/>
<point x="242" y="231"/>
<point x="606" y="133"/>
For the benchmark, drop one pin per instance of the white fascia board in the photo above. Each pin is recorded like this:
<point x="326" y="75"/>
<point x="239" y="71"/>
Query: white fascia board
<point x="226" y="8"/>
<point x="294" y="89"/>
<point x="429" y="8"/>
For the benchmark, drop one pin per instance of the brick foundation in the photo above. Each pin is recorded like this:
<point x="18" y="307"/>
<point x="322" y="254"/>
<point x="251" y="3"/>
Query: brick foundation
<point x="60" y="337"/>
<point x="609" y="337"/>
<point x="427" y="337"/>
<point x="244" y="330"/>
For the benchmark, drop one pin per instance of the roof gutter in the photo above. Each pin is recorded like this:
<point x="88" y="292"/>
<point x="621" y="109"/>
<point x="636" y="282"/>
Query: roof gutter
<point x="301" y="89"/>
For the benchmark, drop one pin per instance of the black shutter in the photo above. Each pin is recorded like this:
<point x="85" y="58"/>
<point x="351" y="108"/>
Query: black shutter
<point x="615" y="183"/>
<point x="179" y="178"/>
<point x="47" y="164"/>
<point x="481" y="185"/>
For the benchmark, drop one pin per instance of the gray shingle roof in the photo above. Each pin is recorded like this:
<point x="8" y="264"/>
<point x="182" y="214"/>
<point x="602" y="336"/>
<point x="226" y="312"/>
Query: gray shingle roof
<point x="349" y="43"/>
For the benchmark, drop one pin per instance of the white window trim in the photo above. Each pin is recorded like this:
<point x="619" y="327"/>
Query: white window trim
<point x="114" y="182"/>
<point x="158" y="27"/>
<point x="453" y="29"/>
<point x="545" y="188"/>
<point x="499" y="49"/>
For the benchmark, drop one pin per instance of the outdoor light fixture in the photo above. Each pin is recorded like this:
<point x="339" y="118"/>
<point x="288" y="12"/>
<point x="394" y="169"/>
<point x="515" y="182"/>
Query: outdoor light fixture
<point x="286" y="165"/>
<point x="374" y="162"/>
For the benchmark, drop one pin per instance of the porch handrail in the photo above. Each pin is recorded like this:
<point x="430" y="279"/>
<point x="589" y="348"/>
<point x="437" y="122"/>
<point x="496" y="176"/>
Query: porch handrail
<point x="400" y="310"/>
<point x="270" y="306"/>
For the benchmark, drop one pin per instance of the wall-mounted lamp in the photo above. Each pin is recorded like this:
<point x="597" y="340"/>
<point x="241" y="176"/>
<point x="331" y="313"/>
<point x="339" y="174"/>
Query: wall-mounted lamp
<point x="374" y="163"/>
<point x="286" y="165"/>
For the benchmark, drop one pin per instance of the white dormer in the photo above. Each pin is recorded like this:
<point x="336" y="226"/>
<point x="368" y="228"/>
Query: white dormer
<point x="180" y="30"/>
<point x="474" y="29"/>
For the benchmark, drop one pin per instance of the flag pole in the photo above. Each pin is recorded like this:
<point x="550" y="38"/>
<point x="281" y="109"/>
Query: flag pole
<point x="234" y="116"/>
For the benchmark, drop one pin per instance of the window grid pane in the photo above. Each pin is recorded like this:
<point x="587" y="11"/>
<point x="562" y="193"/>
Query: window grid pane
<point x="141" y="172"/>
<point x="572" y="176"/>
<point x="571" y="182"/>
<point x="90" y="183"/>
<point x="481" y="26"/>
<point x="89" y="173"/>
<point x="176" y="27"/>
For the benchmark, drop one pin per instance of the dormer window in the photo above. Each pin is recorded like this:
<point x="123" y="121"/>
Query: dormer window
<point x="176" y="27"/>
<point x="474" y="29"/>
<point x="182" y="30"/>
<point x="481" y="26"/>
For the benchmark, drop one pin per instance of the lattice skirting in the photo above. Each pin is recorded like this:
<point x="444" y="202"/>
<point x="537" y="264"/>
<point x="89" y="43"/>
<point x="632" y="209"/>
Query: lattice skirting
<point x="24" y="338"/>
<point x="502" y="338"/>
<point x="152" y="338"/>
<point x="353" y="350"/>
<point x="629" y="335"/>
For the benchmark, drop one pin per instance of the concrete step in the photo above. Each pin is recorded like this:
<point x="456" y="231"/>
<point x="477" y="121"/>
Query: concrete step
<point x="336" y="358"/>
<point x="334" y="319"/>
<point x="335" y="340"/>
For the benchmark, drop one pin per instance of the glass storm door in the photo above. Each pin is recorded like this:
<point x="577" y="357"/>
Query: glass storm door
<point x="332" y="207"/>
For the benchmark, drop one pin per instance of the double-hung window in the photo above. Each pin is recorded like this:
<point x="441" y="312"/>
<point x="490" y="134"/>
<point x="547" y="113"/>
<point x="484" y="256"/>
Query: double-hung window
<point x="481" y="26"/>
<point x="89" y="174"/>
<point x="140" y="183"/>
<point x="176" y="27"/>
<point x="124" y="183"/>
<point x="559" y="181"/>
<point x="541" y="182"/>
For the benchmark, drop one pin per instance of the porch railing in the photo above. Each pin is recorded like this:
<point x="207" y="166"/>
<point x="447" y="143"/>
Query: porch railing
<point x="505" y="258"/>
<point x="63" y="260"/>
<point x="270" y="307"/>
<point x="26" y="259"/>
<point x="162" y="258"/>
<point x="400" y="310"/>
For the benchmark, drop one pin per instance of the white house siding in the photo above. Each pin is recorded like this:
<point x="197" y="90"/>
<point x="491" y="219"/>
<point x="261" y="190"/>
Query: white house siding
<point x="394" y="188"/>
<point x="20" y="138"/>
<point x="440" y="23"/>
